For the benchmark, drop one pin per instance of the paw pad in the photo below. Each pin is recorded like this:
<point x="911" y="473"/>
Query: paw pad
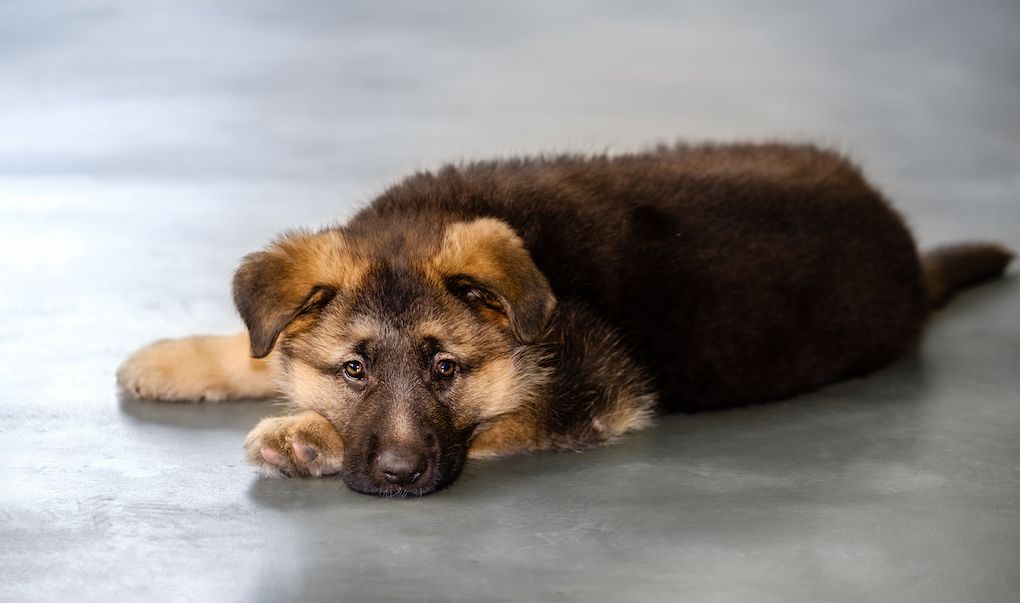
<point x="304" y="445"/>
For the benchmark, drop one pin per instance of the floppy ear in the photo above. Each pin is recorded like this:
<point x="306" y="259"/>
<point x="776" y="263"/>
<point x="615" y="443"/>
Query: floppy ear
<point x="297" y="274"/>
<point x="485" y="263"/>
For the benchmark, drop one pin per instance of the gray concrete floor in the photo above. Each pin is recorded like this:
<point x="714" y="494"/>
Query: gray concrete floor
<point x="144" y="149"/>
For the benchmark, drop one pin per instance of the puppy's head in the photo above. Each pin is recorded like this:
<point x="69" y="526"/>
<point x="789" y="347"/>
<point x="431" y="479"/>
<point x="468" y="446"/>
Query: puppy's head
<point x="408" y="339"/>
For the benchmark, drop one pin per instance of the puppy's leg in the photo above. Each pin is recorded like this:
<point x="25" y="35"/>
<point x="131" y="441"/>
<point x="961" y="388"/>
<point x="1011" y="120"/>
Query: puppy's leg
<point x="513" y="433"/>
<point x="209" y="368"/>
<point x="305" y="444"/>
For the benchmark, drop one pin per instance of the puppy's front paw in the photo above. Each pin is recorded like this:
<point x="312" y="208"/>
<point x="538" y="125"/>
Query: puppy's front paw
<point x="295" y="446"/>
<point x="202" y="368"/>
<point x="170" y="369"/>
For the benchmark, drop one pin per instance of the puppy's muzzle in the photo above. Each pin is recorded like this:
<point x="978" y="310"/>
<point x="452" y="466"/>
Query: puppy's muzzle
<point x="414" y="463"/>
<point x="400" y="466"/>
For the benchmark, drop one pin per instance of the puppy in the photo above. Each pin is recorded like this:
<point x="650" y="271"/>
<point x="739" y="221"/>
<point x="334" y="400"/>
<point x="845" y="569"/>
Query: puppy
<point x="556" y="303"/>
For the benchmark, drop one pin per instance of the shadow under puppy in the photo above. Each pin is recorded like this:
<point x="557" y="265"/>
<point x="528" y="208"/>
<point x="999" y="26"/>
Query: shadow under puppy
<point x="557" y="303"/>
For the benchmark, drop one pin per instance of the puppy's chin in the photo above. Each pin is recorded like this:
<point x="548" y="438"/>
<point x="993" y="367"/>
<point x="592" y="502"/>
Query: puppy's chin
<point x="367" y="486"/>
<point x="439" y="477"/>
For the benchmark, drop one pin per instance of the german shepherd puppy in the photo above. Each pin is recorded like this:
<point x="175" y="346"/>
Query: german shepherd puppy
<point x="556" y="303"/>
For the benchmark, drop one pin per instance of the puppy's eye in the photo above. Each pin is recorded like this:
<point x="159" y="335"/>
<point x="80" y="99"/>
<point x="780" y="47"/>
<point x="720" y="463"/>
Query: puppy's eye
<point x="354" y="369"/>
<point x="446" y="369"/>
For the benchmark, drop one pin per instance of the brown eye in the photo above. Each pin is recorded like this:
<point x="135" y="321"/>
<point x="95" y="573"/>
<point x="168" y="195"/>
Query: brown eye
<point x="354" y="369"/>
<point x="446" y="369"/>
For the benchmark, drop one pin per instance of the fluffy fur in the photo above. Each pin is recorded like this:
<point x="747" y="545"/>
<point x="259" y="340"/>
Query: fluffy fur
<point x="555" y="303"/>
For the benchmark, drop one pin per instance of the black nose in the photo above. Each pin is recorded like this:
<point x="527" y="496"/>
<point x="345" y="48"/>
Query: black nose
<point x="401" y="467"/>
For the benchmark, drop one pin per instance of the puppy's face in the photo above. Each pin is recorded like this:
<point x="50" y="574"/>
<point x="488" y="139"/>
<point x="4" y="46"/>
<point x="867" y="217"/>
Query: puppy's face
<point x="408" y="343"/>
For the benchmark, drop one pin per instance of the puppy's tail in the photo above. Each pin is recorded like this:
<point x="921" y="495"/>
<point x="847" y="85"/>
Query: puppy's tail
<point x="949" y="268"/>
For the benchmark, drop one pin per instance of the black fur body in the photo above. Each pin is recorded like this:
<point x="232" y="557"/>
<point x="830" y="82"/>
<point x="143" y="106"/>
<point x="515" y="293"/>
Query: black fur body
<point x="733" y="274"/>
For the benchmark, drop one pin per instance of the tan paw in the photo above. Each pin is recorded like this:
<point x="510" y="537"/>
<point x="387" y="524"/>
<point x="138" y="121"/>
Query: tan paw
<point x="299" y="445"/>
<point x="204" y="368"/>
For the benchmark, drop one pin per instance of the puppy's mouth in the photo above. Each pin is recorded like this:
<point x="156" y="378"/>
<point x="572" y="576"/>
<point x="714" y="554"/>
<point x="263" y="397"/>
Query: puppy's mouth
<point x="401" y="473"/>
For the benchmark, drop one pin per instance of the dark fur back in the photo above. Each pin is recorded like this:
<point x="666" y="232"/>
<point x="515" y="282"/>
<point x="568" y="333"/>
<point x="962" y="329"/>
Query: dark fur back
<point x="734" y="274"/>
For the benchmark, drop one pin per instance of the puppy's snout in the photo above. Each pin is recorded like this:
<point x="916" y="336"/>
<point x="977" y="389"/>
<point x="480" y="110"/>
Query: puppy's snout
<point x="401" y="466"/>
